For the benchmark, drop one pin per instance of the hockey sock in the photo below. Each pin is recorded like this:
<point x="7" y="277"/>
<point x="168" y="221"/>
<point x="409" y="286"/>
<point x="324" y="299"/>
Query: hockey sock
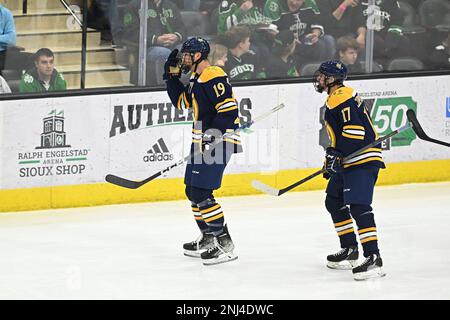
<point x="342" y="220"/>
<point x="199" y="219"/>
<point x="212" y="214"/>
<point x="196" y="211"/>
<point x="209" y="209"/>
<point x="367" y="229"/>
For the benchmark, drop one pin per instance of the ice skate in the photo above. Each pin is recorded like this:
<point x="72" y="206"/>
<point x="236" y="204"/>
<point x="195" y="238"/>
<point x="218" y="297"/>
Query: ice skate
<point x="197" y="247"/>
<point x="372" y="267"/>
<point x="222" y="251"/>
<point x="345" y="259"/>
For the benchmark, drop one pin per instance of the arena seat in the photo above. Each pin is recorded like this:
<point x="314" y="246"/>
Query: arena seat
<point x="12" y="77"/>
<point x="309" y="69"/>
<point x="376" y="67"/>
<point x="405" y="64"/>
<point x="16" y="62"/>
<point x="435" y="14"/>
<point x="411" y="24"/>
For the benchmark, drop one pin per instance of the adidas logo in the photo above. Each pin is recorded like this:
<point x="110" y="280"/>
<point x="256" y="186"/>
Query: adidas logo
<point x="159" y="152"/>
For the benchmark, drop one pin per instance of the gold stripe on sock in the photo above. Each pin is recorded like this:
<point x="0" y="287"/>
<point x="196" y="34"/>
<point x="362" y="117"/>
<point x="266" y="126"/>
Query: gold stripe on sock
<point x="343" y="223"/>
<point x="369" y="239"/>
<point x="367" y="230"/>
<point x="214" y="218"/>
<point x="345" y="232"/>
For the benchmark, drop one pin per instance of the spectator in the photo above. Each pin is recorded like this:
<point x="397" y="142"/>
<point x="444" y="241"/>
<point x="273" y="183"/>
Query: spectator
<point x="165" y="31"/>
<point x="218" y="55"/>
<point x="304" y="22"/>
<point x="386" y="18"/>
<point x="347" y="48"/>
<point x="7" y="33"/>
<point x="262" y="40"/>
<point x="249" y="13"/>
<point x="4" y="87"/>
<point x="105" y="13"/>
<point x="343" y="18"/>
<point x="273" y="9"/>
<point x="242" y="64"/>
<point x="243" y="12"/>
<point x="282" y="65"/>
<point x="43" y="77"/>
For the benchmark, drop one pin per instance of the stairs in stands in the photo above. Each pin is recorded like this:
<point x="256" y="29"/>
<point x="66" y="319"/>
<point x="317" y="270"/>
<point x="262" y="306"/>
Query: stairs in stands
<point x="48" y="24"/>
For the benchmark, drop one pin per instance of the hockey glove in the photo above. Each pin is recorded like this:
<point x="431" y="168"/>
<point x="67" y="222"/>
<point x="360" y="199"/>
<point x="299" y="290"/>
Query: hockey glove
<point x="172" y="69"/>
<point x="333" y="160"/>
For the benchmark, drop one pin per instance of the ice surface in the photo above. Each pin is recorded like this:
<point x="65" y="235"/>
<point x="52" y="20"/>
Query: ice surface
<point x="134" y="251"/>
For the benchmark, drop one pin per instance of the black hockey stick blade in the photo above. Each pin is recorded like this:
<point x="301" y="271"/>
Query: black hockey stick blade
<point x="131" y="184"/>
<point x="122" y="182"/>
<point x="411" y="115"/>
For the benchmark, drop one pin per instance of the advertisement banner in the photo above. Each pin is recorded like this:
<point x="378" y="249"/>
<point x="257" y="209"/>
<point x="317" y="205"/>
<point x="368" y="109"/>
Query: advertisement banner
<point x="57" y="141"/>
<point x="78" y="140"/>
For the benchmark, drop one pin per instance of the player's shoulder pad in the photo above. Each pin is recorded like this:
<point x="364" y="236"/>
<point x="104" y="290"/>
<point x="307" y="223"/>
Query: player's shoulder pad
<point x="340" y="96"/>
<point x="210" y="73"/>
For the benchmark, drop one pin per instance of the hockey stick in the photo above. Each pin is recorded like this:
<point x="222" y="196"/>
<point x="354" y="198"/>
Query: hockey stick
<point x="413" y="123"/>
<point x="131" y="184"/>
<point x="411" y="115"/>
<point x="278" y="192"/>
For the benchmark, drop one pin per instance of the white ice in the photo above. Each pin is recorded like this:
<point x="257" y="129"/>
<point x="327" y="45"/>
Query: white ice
<point x="134" y="251"/>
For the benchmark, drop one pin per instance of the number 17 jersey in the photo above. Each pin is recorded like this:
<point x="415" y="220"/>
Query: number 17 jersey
<point x="350" y="128"/>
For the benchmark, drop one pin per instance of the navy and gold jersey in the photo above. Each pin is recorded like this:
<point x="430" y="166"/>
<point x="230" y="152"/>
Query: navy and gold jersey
<point x="210" y="95"/>
<point x="350" y="128"/>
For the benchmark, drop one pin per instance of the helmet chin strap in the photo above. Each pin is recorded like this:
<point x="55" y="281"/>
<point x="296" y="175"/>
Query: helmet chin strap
<point x="332" y="84"/>
<point x="195" y="63"/>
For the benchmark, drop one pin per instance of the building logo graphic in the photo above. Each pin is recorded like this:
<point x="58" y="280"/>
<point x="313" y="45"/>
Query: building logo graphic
<point x="53" y="135"/>
<point x="158" y="152"/>
<point x="53" y="157"/>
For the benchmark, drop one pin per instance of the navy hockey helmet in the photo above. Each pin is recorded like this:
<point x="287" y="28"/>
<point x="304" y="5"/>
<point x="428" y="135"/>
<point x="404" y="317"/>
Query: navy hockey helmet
<point x="196" y="44"/>
<point x="334" y="71"/>
<point x="192" y="46"/>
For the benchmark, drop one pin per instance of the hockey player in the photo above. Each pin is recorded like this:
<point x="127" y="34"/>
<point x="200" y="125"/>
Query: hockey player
<point x="351" y="184"/>
<point x="215" y="109"/>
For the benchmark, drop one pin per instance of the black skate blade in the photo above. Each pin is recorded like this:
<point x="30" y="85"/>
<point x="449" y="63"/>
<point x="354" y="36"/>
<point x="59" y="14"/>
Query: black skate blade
<point x="219" y="261"/>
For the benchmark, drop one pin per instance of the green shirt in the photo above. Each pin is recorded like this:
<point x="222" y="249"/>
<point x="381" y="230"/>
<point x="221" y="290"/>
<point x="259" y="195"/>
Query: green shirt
<point x="30" y="82"/>
<point x="230" y="14"/>
<point x="274" y="8"/>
